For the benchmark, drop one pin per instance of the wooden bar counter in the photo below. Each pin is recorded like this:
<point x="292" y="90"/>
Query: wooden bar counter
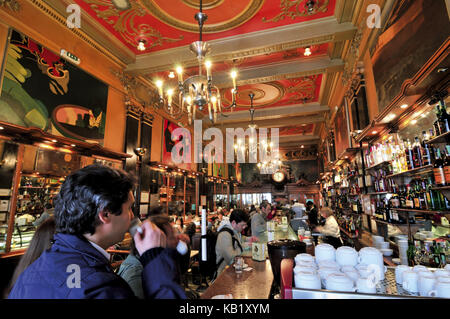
<point x="253" y="284"/>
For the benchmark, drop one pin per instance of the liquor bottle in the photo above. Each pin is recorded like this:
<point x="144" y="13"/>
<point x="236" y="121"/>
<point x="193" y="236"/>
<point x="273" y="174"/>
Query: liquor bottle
<point x="409" y="202"/>
<point x="447" y="165"/>
<point x="436" y="124"/>
<point x="409" y="154"/>
<point x="426" y="156"/>
<point x="443" y="117"/>
<point x="438" y="169"/>
<point x="416" y="197"/>
<point x="417" y="153"/>
<point x="402" y="198"/>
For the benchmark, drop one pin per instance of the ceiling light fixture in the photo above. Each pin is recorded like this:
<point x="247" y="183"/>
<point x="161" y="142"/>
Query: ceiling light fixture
<point x="310" y="6"/>
<point x="141" y="44"/>
<point x="197" y="91"/>
<point x="307" y="51"/>
<point x="404" y="106"/>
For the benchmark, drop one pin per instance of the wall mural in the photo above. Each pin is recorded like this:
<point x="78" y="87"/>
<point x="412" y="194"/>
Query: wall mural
<point x="42" y="90"/>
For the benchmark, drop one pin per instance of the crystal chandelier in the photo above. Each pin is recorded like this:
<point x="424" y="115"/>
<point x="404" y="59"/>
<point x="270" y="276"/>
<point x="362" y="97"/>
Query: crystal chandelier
<point x="197" y="92"/>
<point x="269" y="160"/>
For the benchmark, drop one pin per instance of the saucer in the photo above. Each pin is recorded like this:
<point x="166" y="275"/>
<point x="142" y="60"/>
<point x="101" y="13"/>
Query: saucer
<point x="243" y="267"/>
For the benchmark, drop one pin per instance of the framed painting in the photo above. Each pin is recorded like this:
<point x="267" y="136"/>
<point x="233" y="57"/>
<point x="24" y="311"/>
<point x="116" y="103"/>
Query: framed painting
<point x="41" y="89"/>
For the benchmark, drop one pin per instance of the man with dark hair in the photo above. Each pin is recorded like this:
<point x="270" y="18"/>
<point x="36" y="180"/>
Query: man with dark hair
<point x="93" y="211"/>
<point x="229" y="242"/>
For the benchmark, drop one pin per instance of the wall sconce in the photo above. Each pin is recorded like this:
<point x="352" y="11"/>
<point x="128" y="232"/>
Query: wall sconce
<point x="140" y="151"/>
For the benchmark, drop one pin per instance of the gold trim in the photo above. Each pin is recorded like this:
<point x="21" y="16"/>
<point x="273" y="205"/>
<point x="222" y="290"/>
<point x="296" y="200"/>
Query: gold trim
<point x="50" y="12"/>
<point x="246" y="15"/>
<point x="195" y="4"/>
<point x="286" y="7"/>
<point x="278" y="86"/>
<point x="247" y="53"/>
<point x="11" y="4"/>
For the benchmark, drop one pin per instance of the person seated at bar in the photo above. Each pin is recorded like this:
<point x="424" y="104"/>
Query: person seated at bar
<point x="48" y="212"/>
<point x="330" y="229"/>
<point x="229" y="240"/>
<point x="272" y="213"/>
<point x="41" y="241"/>
<point x="298" y="209"/>
<point x="131" y="269"/>
<point x="93" y="211"/>
<point x="258" y="221"/>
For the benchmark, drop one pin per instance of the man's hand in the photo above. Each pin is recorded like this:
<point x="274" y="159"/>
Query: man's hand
<point x="151" y="237"/>
<point x="253" y="239"/>
<point x="184" y="237"/>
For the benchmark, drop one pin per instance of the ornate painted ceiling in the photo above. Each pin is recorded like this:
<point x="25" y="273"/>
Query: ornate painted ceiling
<point x="265" y="40"/>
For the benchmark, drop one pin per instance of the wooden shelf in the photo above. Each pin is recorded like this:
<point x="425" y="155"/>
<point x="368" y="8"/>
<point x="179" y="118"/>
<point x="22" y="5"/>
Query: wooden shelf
<point x="420" y="170"/>
<point x="439" y="139"/>
<point x="412" y="210"/>
<point x="377" y="193"/>
<point x="378" y="165"/>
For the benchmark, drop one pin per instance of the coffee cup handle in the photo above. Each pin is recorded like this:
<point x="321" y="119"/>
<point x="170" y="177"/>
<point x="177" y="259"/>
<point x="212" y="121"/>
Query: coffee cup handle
<point x="432" y="293"/>
<point x="385" y="269"/>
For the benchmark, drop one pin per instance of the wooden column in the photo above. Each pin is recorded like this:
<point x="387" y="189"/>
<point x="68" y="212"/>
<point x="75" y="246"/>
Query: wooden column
<point x="14" y="194"/>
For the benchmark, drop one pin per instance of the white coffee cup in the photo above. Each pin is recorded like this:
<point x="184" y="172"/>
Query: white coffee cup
<point x="304" y="257"/>
<point x="307" y="280"/>
<point x="308" y="269"/>
<point x="346" y="256"/>
<point x="384" y="245"/>
<point x="324" y="252"/>
<point x="339" y="282"/>
<point x="329" y="264"/>
<point x="410" y="279"/>
<point x="419" y="268"/>
<point x="348" y="268"/>
<point x="443" y="278"/>
<point x="372" y="256"/>
<point x="308" y="233"/>
<point x="307" y="264"/>
<point x="441" y="273"/>
<point x="352" y="274"/>
<point x="399" y="271"/>
<point x="377" y="239"/>
<point x="441" y="289"/>
<point x="365" y="285"/>
<point x="325" y="272"/>
<point x="426" y="283"/>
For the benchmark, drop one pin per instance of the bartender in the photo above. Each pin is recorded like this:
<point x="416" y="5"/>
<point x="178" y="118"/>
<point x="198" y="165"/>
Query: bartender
<point x="330" y="229"/>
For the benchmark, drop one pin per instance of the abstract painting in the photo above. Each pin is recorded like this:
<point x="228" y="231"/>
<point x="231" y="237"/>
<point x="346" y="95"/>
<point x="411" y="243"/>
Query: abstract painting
<point x="41" y="89"/>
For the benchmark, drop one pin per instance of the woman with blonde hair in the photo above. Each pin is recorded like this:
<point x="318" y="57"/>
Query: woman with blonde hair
<point x="330" y="229"/>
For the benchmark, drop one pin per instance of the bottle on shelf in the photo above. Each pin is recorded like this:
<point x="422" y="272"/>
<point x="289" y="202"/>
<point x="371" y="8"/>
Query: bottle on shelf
<point x="409" y="154"/>
<point x="426" y="154"/>
<point x="447" y="165"/>
<point x="443" y="117"/>
<point x="417" y="153"/>
<point x="438" y="169"/>
<point x="409" y="201"/>
<point x="436" y="124"/>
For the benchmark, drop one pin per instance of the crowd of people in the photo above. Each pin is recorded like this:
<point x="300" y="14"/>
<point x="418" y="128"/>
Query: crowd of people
<point x="68" y="258"/>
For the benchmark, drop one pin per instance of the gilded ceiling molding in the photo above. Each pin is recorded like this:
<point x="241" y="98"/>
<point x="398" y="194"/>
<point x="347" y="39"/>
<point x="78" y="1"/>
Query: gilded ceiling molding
<point x="124" y="23"/>
<point x="292" y="9"/>
<point x="278" y="86"/>
<point x="206" y="4"/>
<point x="13" y="5"/>
<point x="240" y="19"/>
<point x="353" y="55"/>
<point x="62" y="20"/>
<point x="281" y="77"/>
<point x="247" y="53"/>
<point x="302" y="89"/>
